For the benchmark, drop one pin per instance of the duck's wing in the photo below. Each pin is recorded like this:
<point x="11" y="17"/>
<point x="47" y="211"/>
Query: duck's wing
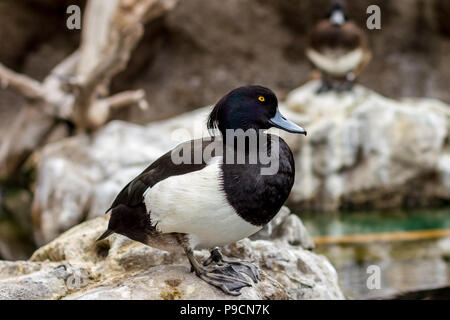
<point x="162" y="168"/>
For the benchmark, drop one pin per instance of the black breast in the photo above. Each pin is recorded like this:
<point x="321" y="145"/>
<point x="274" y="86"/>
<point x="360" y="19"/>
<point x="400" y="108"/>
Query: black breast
<point x="257" y="198"/>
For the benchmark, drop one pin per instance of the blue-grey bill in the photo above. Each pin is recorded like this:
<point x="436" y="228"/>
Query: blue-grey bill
<point x="281" y="122"/>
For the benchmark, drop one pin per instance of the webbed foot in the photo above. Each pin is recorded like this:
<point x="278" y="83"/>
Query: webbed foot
<point x="345" y="86"/>
<point x="241" y="266"/>
<point x="227" y="275"/>
<point x="227" y="278"/>
<point x="325" y="86"/>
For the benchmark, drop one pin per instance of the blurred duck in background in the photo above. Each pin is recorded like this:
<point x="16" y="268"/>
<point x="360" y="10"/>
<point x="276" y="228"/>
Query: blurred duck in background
<point x="338" y="49"/>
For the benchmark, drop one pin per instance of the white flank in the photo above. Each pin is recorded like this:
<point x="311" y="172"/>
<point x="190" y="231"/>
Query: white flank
<point x="334" y="62"/>
<point x="195" y="204"/>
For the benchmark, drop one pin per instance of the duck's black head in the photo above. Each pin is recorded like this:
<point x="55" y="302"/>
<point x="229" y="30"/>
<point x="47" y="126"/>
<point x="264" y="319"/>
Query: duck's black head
<point x="132" y="222"/>
<point x="337" y="14"/>
<point x="251" y="107"/>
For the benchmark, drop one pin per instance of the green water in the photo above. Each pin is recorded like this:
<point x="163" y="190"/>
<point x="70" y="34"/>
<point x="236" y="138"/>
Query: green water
<point x="404" y="266"/>
<point x="345" y="223"/>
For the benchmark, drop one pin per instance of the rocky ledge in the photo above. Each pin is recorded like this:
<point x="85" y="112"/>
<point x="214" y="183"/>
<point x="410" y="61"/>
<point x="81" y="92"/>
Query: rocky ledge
<point x="75" y="266"/>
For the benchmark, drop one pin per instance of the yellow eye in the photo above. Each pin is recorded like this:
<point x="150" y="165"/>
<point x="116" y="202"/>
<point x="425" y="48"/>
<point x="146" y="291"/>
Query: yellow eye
<point x="261" y="98"/>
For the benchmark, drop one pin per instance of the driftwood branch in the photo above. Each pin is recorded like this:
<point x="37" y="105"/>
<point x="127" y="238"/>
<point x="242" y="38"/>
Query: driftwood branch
<point x="23" y="84"/>
<point x="126" y="98"/>
<point x="77" y="88"/>
<point x="99" y="111"/>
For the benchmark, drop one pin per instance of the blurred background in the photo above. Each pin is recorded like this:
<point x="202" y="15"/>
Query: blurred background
<point x="373" y="183"/>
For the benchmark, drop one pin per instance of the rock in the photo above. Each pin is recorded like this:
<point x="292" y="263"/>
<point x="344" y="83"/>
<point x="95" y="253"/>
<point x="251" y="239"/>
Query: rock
<point x="443" y="169"/>
<point x="368" y="150"/>
<point x="287" y="227"/>
<point x="362" y="150"/>
<point x="23" y="280"/>
<point x="74" y="266"/>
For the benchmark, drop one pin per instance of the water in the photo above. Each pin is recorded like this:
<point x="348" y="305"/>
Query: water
<point x="345" y="223"/>
<point x="410" y="248"/>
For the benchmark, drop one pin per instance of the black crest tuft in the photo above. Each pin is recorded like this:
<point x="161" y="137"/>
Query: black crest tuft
<point x="213" y="119"/>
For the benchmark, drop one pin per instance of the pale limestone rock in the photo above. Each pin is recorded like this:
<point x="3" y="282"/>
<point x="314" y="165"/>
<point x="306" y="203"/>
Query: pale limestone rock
<point x="74" y="266"/>
<point x="362" y="146"/>
<point x="443" y="168"/>
<point x="23" y="280"/>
